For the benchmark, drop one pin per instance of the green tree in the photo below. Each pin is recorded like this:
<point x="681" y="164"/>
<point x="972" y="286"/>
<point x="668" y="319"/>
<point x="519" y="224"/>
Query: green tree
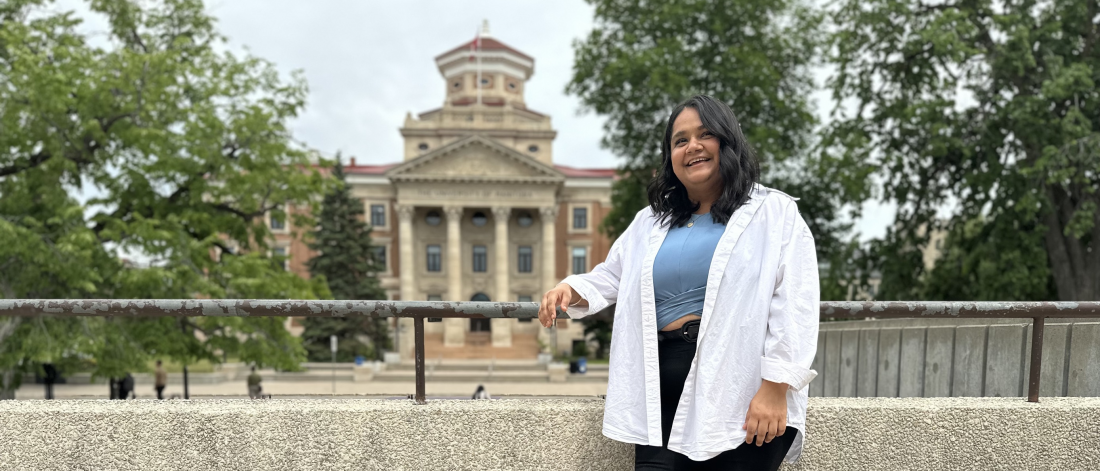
<point x="640" y="60"/>
<point x="347" y="261"/>
<point x="183" y="147"/>
<point x="974" y="267"/>
<point x="989" y="109"/>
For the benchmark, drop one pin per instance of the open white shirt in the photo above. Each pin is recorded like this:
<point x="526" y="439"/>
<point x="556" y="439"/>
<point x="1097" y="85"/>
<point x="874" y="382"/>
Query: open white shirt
<point x="760" y="319"/>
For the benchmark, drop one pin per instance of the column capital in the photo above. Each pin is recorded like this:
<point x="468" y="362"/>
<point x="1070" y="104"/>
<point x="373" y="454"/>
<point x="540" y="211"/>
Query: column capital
<point x="549" y="211"/>
<point x="454" y="213"/>
<point x="502" y="213"/>
<point x="405" y="212"/>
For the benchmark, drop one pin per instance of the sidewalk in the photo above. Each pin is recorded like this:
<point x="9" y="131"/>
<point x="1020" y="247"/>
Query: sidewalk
<point x="324" y="388"/>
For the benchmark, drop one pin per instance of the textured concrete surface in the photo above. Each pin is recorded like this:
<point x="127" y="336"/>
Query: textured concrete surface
<point x="952" y="434"/>
<point x="563" y="434"/>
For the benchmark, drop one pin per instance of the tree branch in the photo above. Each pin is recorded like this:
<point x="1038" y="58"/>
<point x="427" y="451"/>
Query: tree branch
<point x="35" y="160"/>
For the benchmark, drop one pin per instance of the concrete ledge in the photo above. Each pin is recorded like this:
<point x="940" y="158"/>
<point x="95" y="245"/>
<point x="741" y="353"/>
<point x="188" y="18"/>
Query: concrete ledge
<point x="844" y="433"/>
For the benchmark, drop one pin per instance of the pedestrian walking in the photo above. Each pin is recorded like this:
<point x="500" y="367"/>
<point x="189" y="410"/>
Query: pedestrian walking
<point x="717" y="296"/>
<point x="161" y="380"/>
<point x="255" y="391"/>
<point x="50" y="378"/>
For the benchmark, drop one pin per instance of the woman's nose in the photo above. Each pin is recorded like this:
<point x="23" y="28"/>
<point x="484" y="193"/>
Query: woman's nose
<point x="693" y="146"/>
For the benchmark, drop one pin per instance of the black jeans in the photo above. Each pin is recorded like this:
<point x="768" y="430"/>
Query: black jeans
<point x="675" y="357"/>
<point x="160" y="392"/>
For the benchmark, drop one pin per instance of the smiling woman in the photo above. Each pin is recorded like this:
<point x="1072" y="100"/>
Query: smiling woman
<point x="708" y="165"/>
<point x="734" y="363"/>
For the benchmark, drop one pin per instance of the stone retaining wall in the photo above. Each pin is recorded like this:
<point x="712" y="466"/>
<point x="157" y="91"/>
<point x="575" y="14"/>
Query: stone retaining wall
<point x="559" y="434"/>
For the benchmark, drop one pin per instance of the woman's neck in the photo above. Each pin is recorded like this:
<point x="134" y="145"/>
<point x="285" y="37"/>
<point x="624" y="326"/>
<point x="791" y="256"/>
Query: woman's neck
<point x="705" y="200"/>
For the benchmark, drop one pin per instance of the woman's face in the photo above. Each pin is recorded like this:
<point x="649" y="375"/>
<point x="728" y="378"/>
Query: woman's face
<point x="694" y="154"/>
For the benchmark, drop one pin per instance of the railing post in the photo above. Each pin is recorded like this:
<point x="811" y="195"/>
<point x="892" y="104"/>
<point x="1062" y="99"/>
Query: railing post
<point x="418" y="334"/>
<point x="1036" y="358"/>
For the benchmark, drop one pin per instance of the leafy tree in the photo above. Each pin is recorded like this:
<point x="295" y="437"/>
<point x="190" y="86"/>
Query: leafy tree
<point x="184" y="148"/>
<point x="347" y="262"/>
<point x="974" y="268"/>
<point x="989" y="109"/>
<point x="641" y="60"/>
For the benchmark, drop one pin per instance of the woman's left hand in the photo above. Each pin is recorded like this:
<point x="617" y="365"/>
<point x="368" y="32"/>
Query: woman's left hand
<point x="767" y="416"/>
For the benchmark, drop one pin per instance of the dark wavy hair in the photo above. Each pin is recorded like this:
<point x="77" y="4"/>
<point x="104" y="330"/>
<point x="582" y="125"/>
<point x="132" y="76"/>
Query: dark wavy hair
<point x="737" y="166"/>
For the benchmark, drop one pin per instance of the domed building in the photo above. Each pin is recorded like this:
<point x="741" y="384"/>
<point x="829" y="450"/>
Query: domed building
<point x="477" y="210"/>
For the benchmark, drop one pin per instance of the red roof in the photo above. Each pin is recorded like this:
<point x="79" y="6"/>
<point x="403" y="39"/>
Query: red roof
<point x="368" y="169"/>
<point x="487" y="44"/>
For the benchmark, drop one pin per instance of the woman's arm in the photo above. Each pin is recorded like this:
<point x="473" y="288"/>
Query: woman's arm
<point x="791" y="340"/>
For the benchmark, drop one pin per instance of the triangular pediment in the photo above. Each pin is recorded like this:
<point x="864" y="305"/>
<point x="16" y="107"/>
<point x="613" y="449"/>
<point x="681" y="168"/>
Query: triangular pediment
<point x="476" y="158"/>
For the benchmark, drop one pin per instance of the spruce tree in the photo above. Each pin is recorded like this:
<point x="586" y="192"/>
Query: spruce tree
<point x="347" y="262"/>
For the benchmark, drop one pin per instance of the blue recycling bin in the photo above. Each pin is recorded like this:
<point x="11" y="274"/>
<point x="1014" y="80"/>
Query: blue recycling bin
<point x="582" y="365"/>
<point x="359" y="360"/>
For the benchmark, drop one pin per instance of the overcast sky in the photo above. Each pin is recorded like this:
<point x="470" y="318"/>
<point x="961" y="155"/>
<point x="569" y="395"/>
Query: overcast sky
<point x="369" y="62"/>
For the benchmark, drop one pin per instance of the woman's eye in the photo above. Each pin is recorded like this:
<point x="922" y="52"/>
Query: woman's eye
<point x="680" y="141"/>
<point x="705" y="134"/>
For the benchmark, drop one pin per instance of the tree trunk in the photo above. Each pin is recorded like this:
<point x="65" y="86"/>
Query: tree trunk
<point x="7" y="385"/>
<point x="7" y="377"/>
<point x="1074" y="264"/>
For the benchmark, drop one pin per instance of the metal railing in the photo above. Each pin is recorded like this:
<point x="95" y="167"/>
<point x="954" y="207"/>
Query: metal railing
<point x="421" y="310"/>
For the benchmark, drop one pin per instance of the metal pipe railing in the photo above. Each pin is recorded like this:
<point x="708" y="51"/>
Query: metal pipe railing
<point x="419" y="310"/>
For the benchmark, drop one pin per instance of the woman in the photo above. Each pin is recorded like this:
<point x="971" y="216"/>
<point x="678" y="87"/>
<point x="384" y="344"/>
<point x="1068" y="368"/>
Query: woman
<point x="716" y="324"/>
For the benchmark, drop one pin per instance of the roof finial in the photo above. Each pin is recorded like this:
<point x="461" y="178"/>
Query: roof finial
<point x="485" y="28"/>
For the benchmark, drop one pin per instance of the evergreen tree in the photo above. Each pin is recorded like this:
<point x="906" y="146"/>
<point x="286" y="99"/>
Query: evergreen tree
<point x="347" y="262"/>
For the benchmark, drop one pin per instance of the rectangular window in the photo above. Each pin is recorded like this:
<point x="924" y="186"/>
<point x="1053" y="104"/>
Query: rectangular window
<point x="378" y="215"/>
<point x="525" y="299"/>
<point x="580" y="260"/>
<point x="379" y="256"/>
<point x="435" y="258"/>
<point x="481" y="258"/>
<point x="279" y="253"/>
<point x="580" y="218"/>
<point x="277" y="223"/>
<point x="435" y="297"/>
<point x="525" y="259"/>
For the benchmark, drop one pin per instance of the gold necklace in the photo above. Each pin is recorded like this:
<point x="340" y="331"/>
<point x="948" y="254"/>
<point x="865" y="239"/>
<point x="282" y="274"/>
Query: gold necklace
<point x="692" y="221"/>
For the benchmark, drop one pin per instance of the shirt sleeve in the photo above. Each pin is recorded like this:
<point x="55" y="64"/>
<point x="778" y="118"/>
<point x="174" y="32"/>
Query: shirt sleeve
<point x="791" y="341"/>
<point x="600" y="287"/>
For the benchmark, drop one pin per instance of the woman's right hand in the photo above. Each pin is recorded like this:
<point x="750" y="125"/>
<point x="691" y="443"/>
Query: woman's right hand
<point x="560" y="296"/>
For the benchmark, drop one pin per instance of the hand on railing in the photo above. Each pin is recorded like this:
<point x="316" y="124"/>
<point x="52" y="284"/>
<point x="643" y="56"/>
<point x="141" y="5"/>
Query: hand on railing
<point x="562" y="296"/>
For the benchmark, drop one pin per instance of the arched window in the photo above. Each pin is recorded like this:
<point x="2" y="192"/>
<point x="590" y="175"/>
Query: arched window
<point x="480" y="325"/>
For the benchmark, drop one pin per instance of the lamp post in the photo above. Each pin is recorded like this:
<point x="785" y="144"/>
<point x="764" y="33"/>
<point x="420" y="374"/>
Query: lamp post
<point x="332" y="343"/>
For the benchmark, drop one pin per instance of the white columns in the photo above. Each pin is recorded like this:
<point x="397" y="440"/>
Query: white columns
<point x="548" y="263"/>
<point x="502" y="328"/>
<point x="406" y="249"/>
<point x="454" y="330"/>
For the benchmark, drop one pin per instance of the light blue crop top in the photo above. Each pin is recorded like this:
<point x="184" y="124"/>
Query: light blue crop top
<point x="680" y="269"/>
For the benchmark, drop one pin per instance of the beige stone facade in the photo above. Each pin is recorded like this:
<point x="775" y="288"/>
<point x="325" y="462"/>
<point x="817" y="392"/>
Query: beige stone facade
<point x="477" y="210"/>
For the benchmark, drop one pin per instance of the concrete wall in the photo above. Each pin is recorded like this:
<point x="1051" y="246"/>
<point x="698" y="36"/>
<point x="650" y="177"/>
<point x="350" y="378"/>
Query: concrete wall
<point x="954" y="358"/>
<point x="564" y="434"/>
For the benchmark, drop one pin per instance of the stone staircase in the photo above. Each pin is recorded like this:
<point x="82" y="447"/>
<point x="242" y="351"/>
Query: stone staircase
<point x="479" y="346"/>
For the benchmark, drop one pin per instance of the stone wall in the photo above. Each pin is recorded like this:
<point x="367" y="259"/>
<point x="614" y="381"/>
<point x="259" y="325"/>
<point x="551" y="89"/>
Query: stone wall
<point x="561" y="434"/>
<point x="954" y="358"/>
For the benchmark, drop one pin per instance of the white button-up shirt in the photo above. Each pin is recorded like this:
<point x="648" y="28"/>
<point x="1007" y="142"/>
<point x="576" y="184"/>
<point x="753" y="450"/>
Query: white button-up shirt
<point x="760" y="317"/>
